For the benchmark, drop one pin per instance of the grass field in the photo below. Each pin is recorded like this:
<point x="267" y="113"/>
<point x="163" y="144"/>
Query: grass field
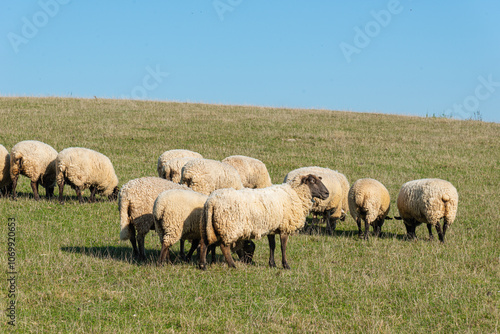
<point x="74" y="275"/>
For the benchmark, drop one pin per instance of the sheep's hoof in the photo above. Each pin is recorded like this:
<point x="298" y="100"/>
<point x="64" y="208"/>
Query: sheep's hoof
<point x="286" y="266"/>
<point x="202" y="267"/>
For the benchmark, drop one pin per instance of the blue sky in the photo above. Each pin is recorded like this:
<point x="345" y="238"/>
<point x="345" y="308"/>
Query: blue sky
<point x="399" y="57"/>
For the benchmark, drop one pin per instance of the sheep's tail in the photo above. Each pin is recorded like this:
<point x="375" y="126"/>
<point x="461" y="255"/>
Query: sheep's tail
<point x="16" y="161"/>
<point x="123" y="205"/>
<point x="207" y="228"/>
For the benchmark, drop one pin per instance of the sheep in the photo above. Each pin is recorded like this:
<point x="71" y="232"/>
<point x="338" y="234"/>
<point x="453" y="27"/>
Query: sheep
<point x="172" y="169"/>
<point x="427" y="201"/>
<point x="172" y="154"/>
<point x="83" y="168"/>
<point x="37" y="161"/>
<point x="370" y="201"/>
<point x="253" y="172"/>
<point x="335" y="206"/>
<point x="177" y="216"/>
<point x="135" y="204"/>
<point x="231" y="215"/>
<point x="205" y="176"/>
<point x="5" y="180"/>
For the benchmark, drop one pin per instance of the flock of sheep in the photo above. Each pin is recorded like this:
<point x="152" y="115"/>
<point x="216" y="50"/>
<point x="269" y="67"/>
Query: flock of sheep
<point x="224" y="203"/>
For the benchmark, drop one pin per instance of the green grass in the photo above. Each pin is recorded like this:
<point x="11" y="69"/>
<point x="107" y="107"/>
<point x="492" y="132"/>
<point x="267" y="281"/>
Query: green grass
<point x="76" y="276"/>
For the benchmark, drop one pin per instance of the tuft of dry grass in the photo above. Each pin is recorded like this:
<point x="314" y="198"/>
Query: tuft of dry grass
<point x="75" y="275"/>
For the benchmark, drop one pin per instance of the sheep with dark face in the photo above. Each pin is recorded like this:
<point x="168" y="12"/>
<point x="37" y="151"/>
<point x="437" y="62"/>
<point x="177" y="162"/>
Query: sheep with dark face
<point x="231" y="215"/>
<point x="427" y="201"/>
<point x="37" y="161"/>
<point x="83" y="168"/>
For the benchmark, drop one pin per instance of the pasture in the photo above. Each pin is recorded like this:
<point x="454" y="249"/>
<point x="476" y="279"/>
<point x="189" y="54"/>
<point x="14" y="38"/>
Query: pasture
<point x="74" y="275"/>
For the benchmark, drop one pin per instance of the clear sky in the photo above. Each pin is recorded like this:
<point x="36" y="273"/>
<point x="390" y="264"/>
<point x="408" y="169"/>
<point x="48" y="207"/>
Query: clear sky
<point x="399" y="57"/>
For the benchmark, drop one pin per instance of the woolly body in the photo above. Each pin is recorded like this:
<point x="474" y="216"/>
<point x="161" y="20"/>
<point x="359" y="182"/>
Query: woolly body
<point x="253" y="172"/>
<point x="172" y="154"/>
<point x="427" y="201"/>
<point x="370" y="201"/>
<point x="205" y="176"/>
<point x="5" y="180"/>
<point x="35" y="160"/>
<point x="135" y="204"/>
<point x="172" y="169"/>
<point x="84" y="168"/>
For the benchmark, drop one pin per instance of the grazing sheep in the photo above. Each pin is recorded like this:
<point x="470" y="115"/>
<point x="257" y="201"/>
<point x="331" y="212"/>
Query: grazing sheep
<point x="370" y="201"/>
<point x="231" y="215"/>
<point x="172" y="154"/>
<point x="5" y="180"/>
<point x="172" y="169"/>
<point x="205" y="176"/>
<point x="177" y="215"/>
<point x="135" y="204"/>
<point x="83" y="168"/>
<point x="37" y="161"/>
<point x="253" y="172"/>
<point x="335" y="206"/>
<point x="427" y="201"/>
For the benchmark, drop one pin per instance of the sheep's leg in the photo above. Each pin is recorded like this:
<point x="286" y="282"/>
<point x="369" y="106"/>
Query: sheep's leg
<point x="34" y="186"/>
<point x="377" y="226"/>
<point x="358" y="222"/>
<point x="50" y="192"/>
<point x="202" y="263"/>
<point x="247" y="251"/>
<point x="164" y="254"/>
<point x="429" y="228"/>
<point x="226" y="251"/>
<point x="140" y="242"/>
<point x="367" y="229"/>
<point x="14" y="185"/>
<point x="92" y="194"/>
<point x="79" y="195"/>
<point x="272" y="247"/>
<point x="194" y="246"/>
<point x="284" y="240"/>
<point x="133" y="240"/>
<point x="331" y="224"/>
<point x="445" y="227"/>
<point x="211" y="249"/>
<point x="410" y="230"/>
<point x="440" y="233"/>
<point x="181" y="250"/>
<point x="61" y="189"/>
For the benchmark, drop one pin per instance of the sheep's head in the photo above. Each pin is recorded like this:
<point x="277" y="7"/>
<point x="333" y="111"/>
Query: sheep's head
<point x="316" y="186"/>
<point x="114" y="194"/>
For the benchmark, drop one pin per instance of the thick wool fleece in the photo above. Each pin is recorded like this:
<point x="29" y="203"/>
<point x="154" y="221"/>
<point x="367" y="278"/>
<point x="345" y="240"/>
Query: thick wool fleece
<point x="205" y="176"/>
<point x="172" y="154"/>
<point x="34" y="159"/>
<point x="231" y="215"/>
<point x="83" y="168"/>
<point x="172" y="169"/>
<point x="5" y="179"/>
<point x="135" y="203"/>
<point x="253" y="172"/>
<point x="428" y="200"/>
<point x="369" y="199"/>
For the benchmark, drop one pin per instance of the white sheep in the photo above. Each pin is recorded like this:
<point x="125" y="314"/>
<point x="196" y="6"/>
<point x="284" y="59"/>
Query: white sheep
<point x="83" y="168"/>
<point x="5" y="180"/>
<point x="231" y="215"/>
<point x="426" y="201"/>
<point x="335" y="206"/>
<point x="369" y="201"/>
<point x="253" y="172"/>
<point x="135" y="204"/>
<point x="172" y="169"/>
<point x="205" y="176"/>
<point x="172" y="154"/>
<point x="177" y="215"/>
<point x="37" y="161"/>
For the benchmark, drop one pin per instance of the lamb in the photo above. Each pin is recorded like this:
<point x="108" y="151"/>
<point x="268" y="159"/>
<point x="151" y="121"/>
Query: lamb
<point x="172" y="154"/>
<point x="135" y="204"/>
<point x="370" y="201"/>
<point x="37" y="161"/>
<point x="335" y="206"/>
<point x="205" y="176"/>
<point x="253" y="172"/>
<point x="427" y="201"/>
<point x="231" y="215"/>
<point x="172" y="169"/>
<point x="5" y="180"/>
<point x="177" y="216"/>
<point x="83" y="168"/>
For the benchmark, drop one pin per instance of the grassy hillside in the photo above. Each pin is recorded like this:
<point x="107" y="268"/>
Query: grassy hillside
<point x="76" y="276"/>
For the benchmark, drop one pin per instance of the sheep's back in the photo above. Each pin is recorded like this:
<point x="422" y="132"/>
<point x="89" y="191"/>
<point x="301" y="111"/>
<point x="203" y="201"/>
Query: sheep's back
<point x="38" y="160"/>
<point x="4" y="167"/>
